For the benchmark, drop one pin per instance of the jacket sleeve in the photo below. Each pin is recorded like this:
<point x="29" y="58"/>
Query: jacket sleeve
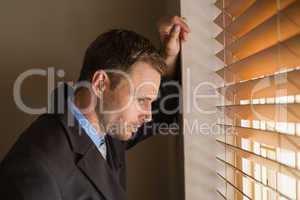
<point x="165" y="112"/>
<point x="27" y="179"/>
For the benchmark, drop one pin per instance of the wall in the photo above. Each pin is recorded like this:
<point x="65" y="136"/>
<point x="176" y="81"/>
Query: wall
<point x="200" y="98"/>
<point x="160" y="157"/>
<point x="41" y="34"/>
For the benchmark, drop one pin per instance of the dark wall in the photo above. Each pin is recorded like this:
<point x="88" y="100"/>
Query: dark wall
<point x="42" y="34"/>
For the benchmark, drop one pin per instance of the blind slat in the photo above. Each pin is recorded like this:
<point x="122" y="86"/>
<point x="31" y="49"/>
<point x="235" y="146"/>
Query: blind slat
<point x="259" y="118"/>
<point x="271" y="164"/>
<point x="264" y="111"/>
<point x="221" y="195"/>
<point x="232" y="9"/>
<point x="253" y="17"/>
<point x="272" y="138"/>
<point x="252" y="179"/>
<point x="268" y="32"/>
<point x="268" y="87"/>
<point x="234" y="186"/>
<point x="265" y="62"/>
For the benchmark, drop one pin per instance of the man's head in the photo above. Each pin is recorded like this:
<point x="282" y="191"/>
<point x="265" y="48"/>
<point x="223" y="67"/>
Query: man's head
<point x="123" y="69"/>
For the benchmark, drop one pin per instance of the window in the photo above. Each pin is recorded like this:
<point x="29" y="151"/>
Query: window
<point x="261" y="99"/>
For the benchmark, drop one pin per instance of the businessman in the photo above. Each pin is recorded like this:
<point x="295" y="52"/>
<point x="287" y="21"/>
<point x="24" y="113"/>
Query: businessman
<point x="78" y="150"/>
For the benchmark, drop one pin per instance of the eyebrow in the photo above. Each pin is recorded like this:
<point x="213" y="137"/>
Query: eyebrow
<point x="148" y="98"/>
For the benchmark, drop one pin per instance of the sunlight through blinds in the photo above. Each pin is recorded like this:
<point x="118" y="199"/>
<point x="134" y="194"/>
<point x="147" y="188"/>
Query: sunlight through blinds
<point x="258" y="155"/>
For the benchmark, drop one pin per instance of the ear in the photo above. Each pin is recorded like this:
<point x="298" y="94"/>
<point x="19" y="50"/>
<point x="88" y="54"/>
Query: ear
<point x="100" y="82"/>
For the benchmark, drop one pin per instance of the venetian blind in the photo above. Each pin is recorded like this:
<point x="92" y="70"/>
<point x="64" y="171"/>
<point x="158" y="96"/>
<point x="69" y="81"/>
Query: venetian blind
<point x="259" y="145"/>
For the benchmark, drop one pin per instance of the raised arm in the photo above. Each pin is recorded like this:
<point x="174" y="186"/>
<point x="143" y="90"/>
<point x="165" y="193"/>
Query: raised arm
<point x="172" y="31"/>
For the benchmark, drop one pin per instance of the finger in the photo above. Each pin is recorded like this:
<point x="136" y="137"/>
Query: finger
<point x="185" y="27"/>
<point x="184" y="36"/>
<point x="175" y="32"/>
<point x="182" y="23"/>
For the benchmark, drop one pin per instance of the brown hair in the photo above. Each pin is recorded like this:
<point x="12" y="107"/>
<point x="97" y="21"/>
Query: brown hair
<point x="119" y="49"/>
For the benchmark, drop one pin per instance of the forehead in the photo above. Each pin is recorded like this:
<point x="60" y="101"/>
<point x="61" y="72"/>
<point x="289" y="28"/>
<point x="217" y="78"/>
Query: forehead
<point x="144" y="79"/>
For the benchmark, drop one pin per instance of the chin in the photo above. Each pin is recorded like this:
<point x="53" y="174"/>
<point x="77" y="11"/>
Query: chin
<point x="125" y="136"/>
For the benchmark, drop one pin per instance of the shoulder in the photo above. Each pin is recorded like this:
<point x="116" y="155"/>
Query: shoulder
<point x="45" y="134"/>
<point x="43" y="143"/>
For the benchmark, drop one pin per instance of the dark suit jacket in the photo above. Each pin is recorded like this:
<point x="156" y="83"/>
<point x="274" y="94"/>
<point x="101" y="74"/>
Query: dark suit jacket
<point x="53" y="160"/>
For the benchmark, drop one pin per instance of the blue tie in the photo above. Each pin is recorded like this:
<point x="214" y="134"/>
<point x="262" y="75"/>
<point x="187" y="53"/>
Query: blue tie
<point x="102" y="148"/>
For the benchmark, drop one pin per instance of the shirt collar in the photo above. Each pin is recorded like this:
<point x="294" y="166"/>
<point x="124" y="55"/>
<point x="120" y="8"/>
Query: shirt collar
<point x="85" y="124"/>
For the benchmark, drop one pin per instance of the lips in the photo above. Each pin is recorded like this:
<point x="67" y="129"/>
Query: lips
<point x="136" y="127"/>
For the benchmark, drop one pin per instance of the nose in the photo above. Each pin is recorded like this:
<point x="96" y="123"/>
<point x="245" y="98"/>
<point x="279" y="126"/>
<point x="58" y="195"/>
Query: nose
<point x="148" y="117"/>
<point x="147" y="114"/>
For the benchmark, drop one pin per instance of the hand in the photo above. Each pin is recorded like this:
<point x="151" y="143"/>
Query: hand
<point x="172" y="30"/>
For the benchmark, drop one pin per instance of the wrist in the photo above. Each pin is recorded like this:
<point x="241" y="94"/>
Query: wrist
<point x="170" y="60"/>
<point x="171" y="65"/>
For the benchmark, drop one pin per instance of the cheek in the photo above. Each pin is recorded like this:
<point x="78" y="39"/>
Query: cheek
<point x="129" y="109"/>
<point x="116" y="103"/>
<point x="131" y="113"/>
<point x="126" y="107"/>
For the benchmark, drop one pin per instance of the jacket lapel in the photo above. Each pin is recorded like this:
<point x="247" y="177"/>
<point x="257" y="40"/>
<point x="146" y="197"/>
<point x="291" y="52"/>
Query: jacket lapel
<point x="90" y="162"/>
<point x="97" y="170"/>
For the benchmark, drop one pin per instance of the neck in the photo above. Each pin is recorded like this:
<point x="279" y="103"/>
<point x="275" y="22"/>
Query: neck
<point x="83" y="101"/>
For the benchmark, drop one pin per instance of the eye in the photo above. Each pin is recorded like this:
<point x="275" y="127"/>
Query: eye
<point x="141" y="100"/>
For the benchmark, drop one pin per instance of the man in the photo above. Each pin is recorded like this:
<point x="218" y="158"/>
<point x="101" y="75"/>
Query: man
<point x="78" y="152"/>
